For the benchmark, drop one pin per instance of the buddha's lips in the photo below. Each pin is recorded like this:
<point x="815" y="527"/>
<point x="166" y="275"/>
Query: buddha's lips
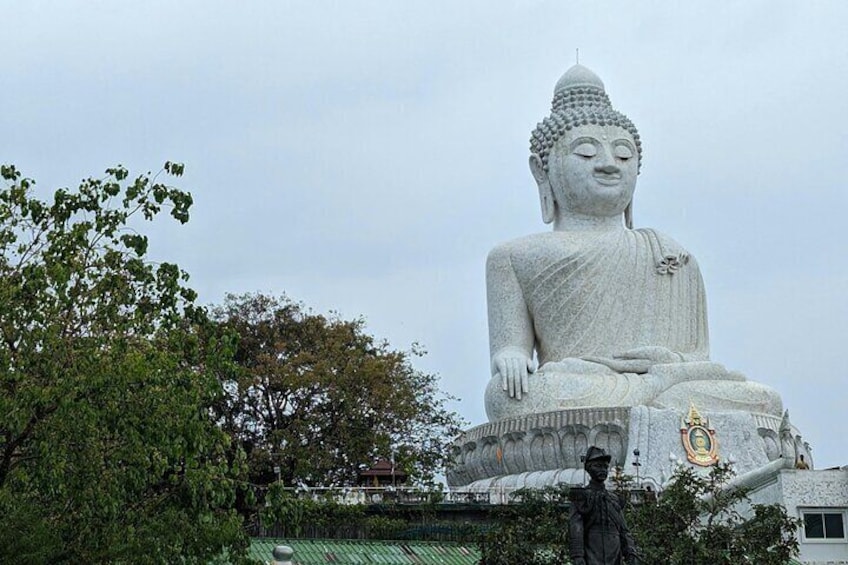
<point x="608" y="180"/>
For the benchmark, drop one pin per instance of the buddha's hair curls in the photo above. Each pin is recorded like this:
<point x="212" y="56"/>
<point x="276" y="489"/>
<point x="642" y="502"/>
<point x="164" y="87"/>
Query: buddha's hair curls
<point x="575" y="106"/>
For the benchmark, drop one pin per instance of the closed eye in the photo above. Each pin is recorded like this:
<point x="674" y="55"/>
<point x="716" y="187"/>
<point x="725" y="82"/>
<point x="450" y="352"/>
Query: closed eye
<point x="586" y="150"/>
<point x="623" y="152"/>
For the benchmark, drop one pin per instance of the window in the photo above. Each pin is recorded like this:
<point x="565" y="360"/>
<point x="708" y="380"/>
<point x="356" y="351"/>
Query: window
<point x="824" y="524"/>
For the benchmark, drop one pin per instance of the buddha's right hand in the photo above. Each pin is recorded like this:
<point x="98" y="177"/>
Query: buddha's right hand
<point x="514" y="367"/>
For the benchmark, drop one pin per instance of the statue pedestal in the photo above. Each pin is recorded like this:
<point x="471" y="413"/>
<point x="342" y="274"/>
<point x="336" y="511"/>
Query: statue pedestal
<point x="544" y="449"/>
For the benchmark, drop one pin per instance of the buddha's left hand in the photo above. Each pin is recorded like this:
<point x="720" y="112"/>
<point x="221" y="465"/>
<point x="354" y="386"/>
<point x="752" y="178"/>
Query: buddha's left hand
<point x="638" y="360"/>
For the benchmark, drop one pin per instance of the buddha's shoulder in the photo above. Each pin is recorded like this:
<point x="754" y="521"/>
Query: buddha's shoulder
<point x="533" y="245"/>
<point x="666" y="243"/>
<point x="559" y="244"/>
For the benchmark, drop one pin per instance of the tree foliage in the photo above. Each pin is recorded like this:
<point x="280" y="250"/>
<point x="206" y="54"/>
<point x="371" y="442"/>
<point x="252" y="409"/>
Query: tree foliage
<point x="341" y="514"/>
<point x="697" y="520"/>
<point x="294" y="513"/>
<point x="107" y="448"/>
<point x="320" y="399"/>
<point x="531" y="529"/>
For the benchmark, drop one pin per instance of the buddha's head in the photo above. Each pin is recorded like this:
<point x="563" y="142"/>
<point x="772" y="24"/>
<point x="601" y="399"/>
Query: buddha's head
<point x="585" y="156"/>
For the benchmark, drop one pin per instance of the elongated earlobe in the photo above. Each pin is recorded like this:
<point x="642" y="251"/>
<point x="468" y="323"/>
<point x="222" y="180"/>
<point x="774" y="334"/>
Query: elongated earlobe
<point x="546" y="193"/>
<point x="628" y="215"/>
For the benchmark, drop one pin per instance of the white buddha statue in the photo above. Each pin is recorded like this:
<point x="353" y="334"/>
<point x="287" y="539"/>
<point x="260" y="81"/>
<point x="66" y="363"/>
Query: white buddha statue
<point x="611" y="315"/>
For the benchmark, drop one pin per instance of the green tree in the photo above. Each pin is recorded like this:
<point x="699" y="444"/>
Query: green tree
<point x="107" y="448"/>
<point x="531" y="529"/>
<point x="699" y="520"/>
<point x="319" y="399"/>
<point x="300" y="516"/>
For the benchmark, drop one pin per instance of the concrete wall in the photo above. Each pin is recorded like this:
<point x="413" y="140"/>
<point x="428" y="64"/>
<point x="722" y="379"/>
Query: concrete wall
<point x="799" y="490"/>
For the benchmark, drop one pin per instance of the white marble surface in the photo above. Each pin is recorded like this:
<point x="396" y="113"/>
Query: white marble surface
<point x="544" y="449"/>
<point x="612" y="316"/>
<point x="798" y="490"/>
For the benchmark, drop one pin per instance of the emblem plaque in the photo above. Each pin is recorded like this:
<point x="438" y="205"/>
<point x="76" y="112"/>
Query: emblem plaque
<point x="699" y="439"/>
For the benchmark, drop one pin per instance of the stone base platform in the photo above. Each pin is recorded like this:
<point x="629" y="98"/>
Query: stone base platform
<point x="544" y="449"/>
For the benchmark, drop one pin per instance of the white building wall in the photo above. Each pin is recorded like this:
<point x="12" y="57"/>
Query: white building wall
<point x="798" y="490"/>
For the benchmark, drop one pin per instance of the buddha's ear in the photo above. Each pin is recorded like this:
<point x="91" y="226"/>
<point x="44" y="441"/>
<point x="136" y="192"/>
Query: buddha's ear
<point x="546" y="193"/>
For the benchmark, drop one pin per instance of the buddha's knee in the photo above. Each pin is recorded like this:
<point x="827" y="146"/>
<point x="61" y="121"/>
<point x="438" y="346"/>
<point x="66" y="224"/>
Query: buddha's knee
<point x="744" y="396"/>
<point x="551" y="390"/>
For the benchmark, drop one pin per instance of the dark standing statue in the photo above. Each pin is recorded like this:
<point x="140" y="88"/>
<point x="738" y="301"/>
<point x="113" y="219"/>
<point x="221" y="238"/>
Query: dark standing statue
<point x="599" y="535"/>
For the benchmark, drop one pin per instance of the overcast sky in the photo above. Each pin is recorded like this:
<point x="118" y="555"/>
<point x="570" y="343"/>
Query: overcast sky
<point x="364" y="157"/>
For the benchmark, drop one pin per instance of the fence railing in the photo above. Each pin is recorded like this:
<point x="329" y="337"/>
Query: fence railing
<point x="397" y="495"/>
<point x="412" y="495"/>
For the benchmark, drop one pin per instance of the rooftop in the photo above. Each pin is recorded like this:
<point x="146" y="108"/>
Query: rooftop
<point x="361" y="552"/>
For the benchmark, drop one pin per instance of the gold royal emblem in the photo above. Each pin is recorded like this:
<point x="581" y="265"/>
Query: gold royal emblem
<point x="699" y="439"/>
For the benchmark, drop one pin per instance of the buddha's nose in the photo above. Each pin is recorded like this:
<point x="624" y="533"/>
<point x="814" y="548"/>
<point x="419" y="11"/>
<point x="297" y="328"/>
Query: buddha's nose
<point x="608" y="169"/>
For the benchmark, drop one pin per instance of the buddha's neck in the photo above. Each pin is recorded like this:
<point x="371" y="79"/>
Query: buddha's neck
<point x="582" y="223"/>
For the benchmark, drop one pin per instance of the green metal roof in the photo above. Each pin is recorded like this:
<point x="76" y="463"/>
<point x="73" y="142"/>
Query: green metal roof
<point x="368" y="552"/>
<point x="362" y="552"/>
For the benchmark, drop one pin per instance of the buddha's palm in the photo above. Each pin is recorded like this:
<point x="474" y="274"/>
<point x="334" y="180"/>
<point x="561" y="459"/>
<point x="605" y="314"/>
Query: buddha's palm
<point x="638" y="360"/>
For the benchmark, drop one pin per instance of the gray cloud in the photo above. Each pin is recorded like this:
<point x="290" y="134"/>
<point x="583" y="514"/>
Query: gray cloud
<point x="364" y="157"/>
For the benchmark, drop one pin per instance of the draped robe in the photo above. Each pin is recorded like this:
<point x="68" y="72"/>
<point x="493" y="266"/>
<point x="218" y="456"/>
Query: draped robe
<point x="579" y="299"/>
<point x="573" y="296"/>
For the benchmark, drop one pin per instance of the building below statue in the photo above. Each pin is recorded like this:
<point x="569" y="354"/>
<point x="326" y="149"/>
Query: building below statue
<point x="820" y="499"/>
<point x="544" y="449"/>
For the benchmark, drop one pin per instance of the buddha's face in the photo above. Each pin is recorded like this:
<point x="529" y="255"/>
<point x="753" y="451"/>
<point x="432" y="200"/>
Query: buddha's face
<point x="592" y="170"/>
